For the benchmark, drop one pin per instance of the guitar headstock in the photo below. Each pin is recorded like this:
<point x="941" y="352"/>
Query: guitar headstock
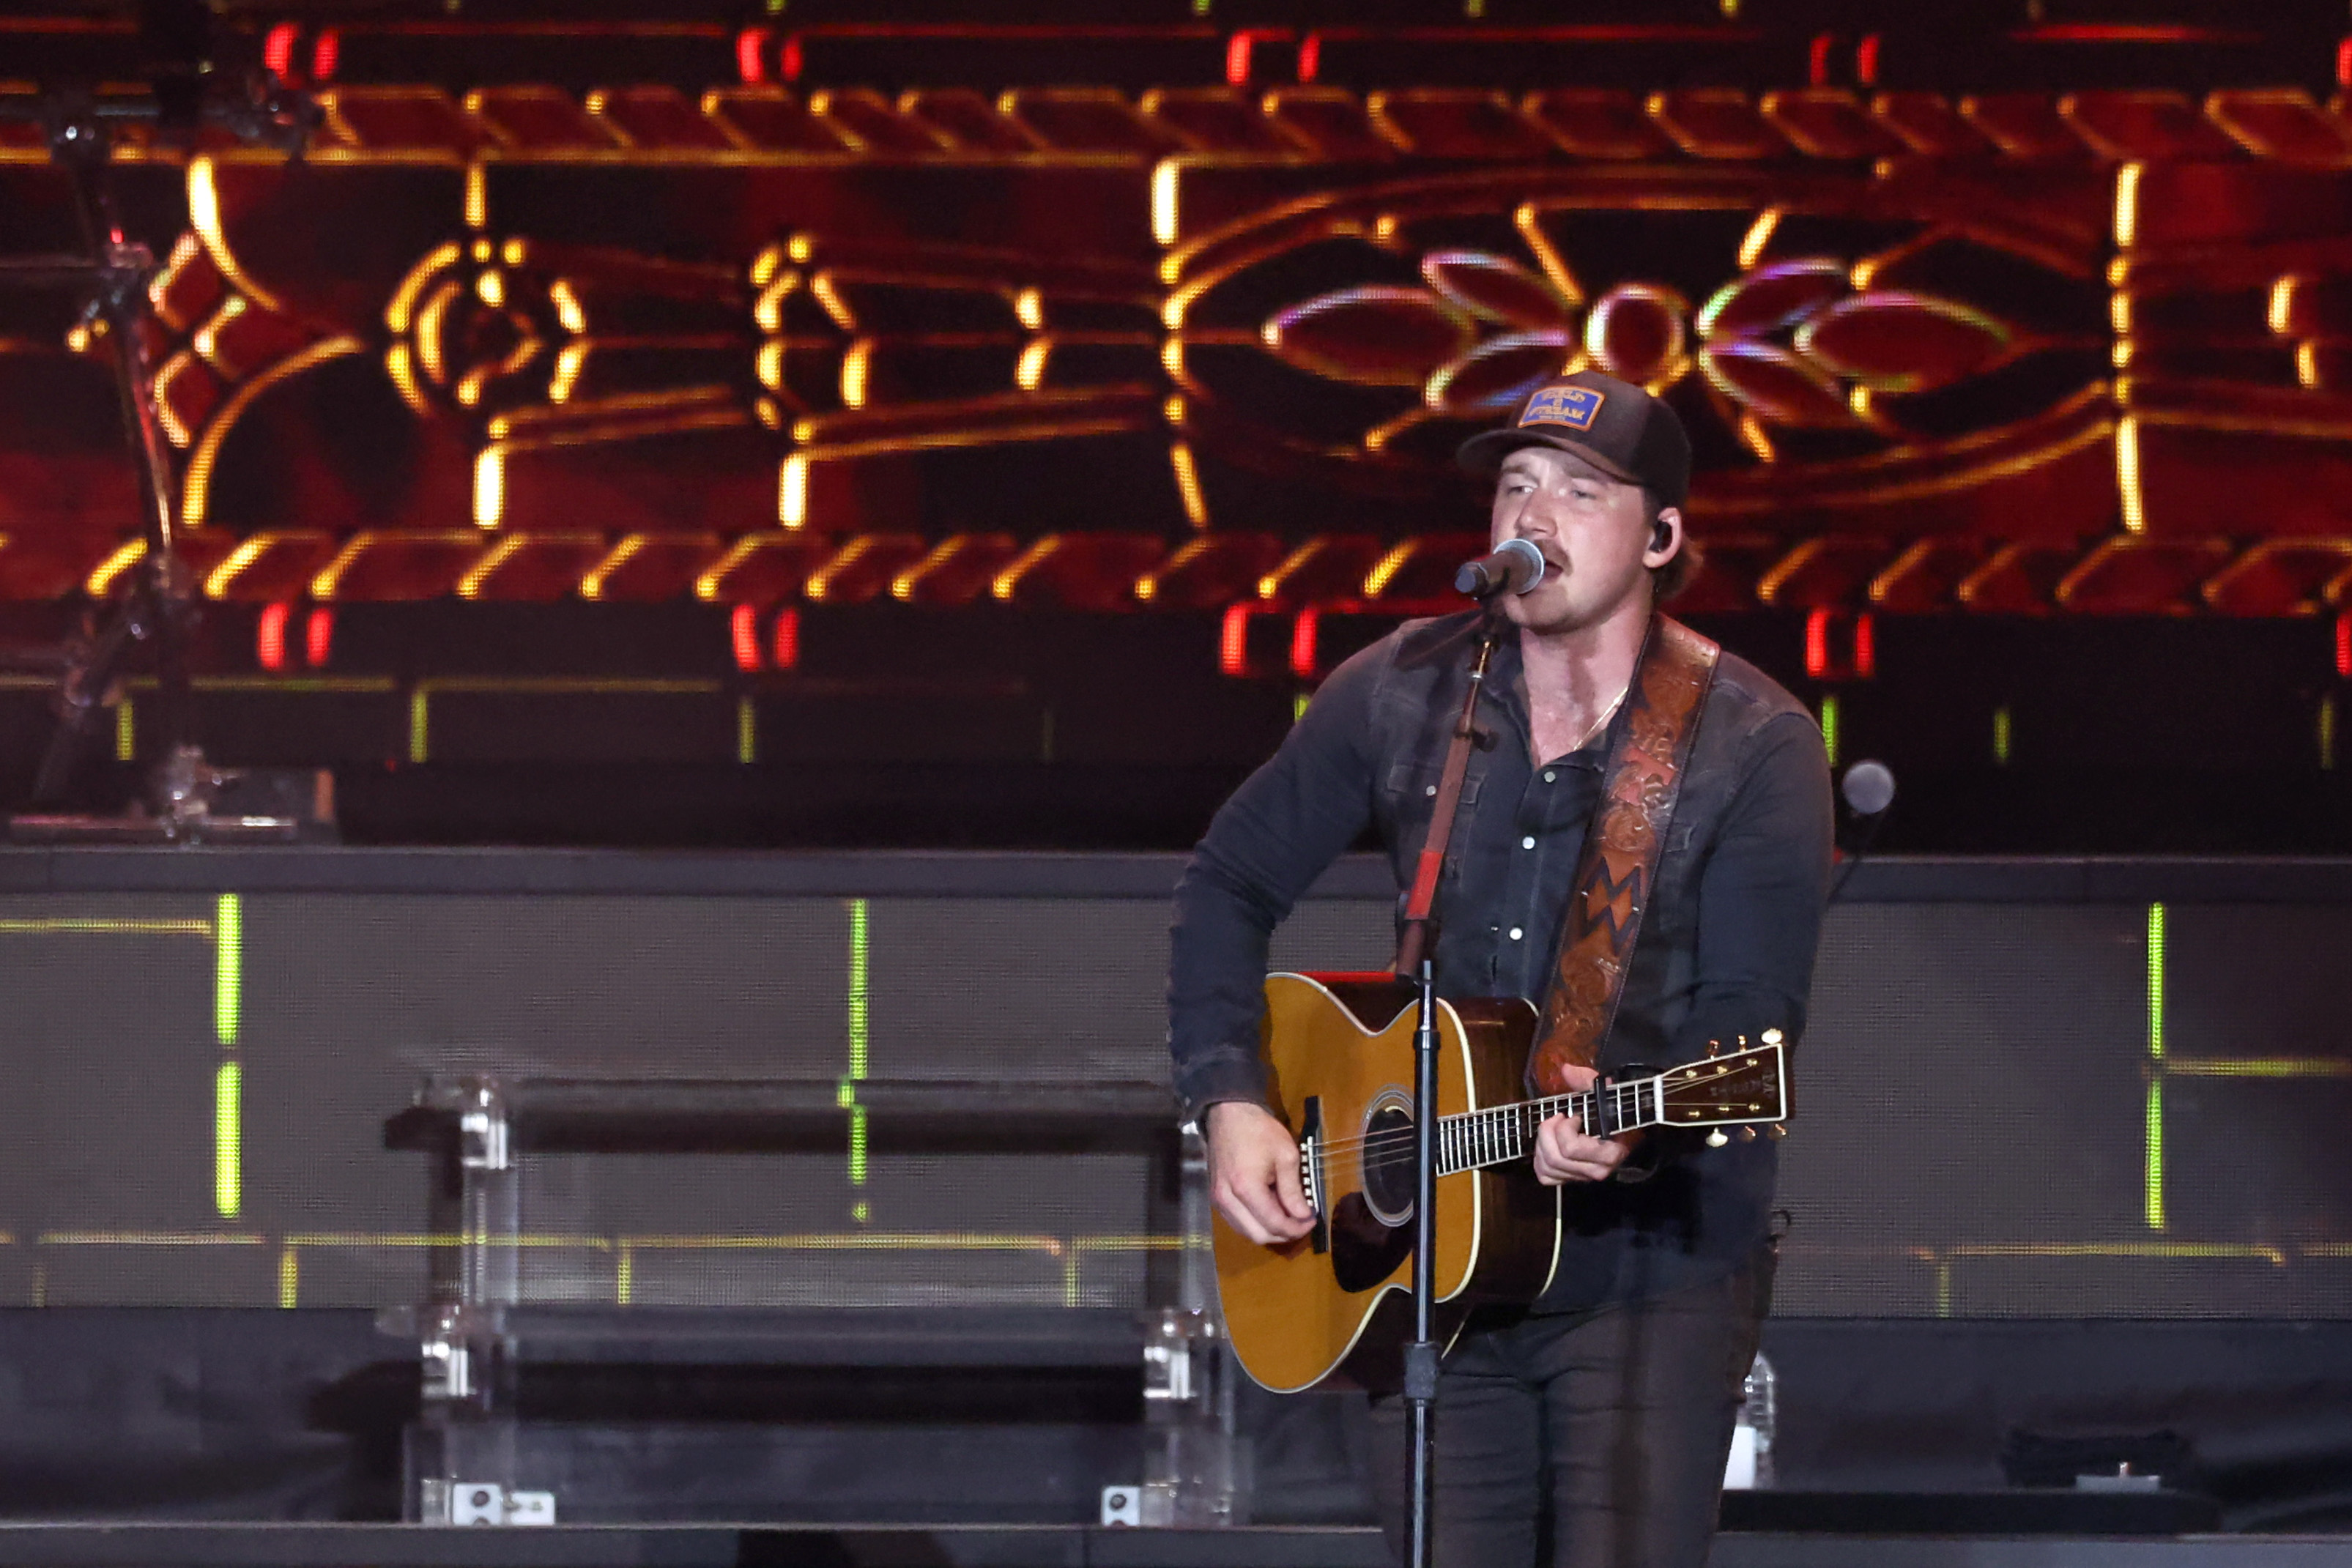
<point x="1741" y="1086"/>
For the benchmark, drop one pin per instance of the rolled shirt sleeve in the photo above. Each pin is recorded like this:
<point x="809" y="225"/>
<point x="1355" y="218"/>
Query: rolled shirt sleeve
<point x="1762" y="891"/>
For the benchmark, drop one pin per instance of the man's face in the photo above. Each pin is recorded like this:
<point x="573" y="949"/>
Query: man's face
<point x="1593" y="530"/>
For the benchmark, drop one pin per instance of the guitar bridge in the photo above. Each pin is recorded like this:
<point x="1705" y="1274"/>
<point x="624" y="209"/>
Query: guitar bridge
<point x="1311" y="1169"/>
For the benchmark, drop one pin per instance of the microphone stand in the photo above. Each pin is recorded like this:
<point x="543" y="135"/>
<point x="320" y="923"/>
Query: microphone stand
<point x="1421" y="1353"/>
<point x="1416" y="964"/>
<point x="159" y="605"/>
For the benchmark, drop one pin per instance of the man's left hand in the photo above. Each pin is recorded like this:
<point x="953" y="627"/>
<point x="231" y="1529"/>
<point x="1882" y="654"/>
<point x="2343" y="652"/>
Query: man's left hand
<point x="1564" y="1152"/>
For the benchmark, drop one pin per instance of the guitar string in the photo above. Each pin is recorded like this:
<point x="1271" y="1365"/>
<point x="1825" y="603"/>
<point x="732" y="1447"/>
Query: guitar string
<point x="1467" y="1126"/>
<point x="1561" y="1104"/>
<point x="1502" y="1138"/>
<point x="1479" y="1146"/>
<point x="1623" y="1097"/>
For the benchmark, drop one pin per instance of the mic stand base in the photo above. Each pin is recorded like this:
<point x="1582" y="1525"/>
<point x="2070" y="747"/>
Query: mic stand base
<point x="188" y="791"/>
<point x="140" y="828"/>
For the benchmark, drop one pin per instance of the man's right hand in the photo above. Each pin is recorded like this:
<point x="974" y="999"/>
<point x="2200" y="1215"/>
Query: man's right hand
<point x="1253" y="1174"/>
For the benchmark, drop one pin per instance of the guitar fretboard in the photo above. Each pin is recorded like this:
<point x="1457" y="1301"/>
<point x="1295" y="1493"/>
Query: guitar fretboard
<point x="1471" y="1139"/>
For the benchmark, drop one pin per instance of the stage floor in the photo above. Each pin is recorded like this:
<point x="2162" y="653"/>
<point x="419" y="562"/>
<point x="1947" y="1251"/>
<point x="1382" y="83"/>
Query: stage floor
<point x="765" y="1546"/>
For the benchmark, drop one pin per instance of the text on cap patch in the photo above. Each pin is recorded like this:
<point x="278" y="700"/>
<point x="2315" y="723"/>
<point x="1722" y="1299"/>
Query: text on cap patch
<point x="1575" y="407"/>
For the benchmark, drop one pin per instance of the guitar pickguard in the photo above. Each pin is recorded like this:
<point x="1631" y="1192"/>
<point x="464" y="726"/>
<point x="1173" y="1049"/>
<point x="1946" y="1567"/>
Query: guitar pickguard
<point x="1364" y="1249"/>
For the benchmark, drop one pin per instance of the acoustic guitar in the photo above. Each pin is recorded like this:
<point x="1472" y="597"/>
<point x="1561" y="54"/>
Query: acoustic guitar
<point x="1339" y="1054"/>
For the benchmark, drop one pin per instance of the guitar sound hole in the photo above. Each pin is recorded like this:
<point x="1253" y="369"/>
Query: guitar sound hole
<point x="1388" y="1170"/>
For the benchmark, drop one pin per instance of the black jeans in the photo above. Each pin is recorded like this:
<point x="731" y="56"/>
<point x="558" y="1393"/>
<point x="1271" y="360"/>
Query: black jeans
<point x="1591" y="1439"/>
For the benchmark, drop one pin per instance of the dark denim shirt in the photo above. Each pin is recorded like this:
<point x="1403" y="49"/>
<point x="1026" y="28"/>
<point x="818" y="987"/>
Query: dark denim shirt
<point x="1726" y="949"/>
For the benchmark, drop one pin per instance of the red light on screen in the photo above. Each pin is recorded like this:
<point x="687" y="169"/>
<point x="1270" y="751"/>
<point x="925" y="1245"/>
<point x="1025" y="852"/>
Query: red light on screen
<point x="750" y="54"/>
<point x="1865" y="61"/>
<point x="277" y="50"/>
<point x="1303" y="635"/>
<point x="326" y="55"/>
<point x="1817" y="644"/>
<point x="319" y="637"/>
<point x="1237" y="58"/>
<point x="2122" y="32"/>
<point x="1233" y="641"/>
<point x="785" y="646"/>
<point x="2343" y="63"/>
<point x="1865" y="647"/>
<point x="1310" y="56"/>
<point x="269" y="637"/>
<point x="1817" y="60"/>
<point x="2344" y="644"/>
<point x="791" y="59"/>
<point x="743" y="632"/>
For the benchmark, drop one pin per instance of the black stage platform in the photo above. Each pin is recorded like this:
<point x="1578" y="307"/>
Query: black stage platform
<point x="721" y="1546"/>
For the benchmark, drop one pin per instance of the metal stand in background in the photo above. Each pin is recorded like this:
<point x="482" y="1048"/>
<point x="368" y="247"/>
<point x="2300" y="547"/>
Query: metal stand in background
<point x="502" y="1300"/>
<point x="158" y="607"/>
<point x="1196" y="1464"/>
<point x="458" y="1460"/>
<point x="1421" y="1354"/>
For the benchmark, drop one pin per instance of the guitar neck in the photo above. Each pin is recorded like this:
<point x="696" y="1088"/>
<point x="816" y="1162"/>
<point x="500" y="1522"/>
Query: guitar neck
<point x="1471" y="1139"/>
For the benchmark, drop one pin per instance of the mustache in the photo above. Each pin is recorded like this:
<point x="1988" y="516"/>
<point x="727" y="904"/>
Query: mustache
<point x="1554" y="558"/>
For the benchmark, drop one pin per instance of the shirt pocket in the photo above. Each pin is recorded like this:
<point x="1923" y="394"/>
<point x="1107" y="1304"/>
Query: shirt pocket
<point x="1413" y="785"/>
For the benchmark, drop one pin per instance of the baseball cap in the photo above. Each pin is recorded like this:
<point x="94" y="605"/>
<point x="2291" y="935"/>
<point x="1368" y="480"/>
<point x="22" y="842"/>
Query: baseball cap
<point x="1614" y="425"/>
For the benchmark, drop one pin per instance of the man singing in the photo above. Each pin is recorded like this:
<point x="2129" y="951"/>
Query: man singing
<point x="1589" y="1428"/>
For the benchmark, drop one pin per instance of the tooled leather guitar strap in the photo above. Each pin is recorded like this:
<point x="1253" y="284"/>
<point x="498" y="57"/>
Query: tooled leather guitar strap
<point x="1640" y="784"/>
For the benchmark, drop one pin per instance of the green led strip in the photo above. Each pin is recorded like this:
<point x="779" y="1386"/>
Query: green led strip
<point x="2257" y="1067"/>
<point x="860" y="997"/>
<point x="228" y="1086"/>
<point x="229" y="1163"/>
<point x="860" y="1023"/>
<point x="747" y="732"/>
<point x="126" y="732"/>
<point x="2000" y="735"/>
<point x="228" y="968"/>
<point x="1830" y="716"/>
<point x="420" y="703"/>
<point x="2154" y="1195"/>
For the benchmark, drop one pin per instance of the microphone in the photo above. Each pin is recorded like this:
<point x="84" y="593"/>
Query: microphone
<point x="1868" y="787"/>
<point x="1518" y="567"/>
<point x="1868" y="790"/>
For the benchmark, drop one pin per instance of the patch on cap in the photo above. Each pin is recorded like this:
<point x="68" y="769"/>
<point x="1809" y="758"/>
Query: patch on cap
<point x="1575" y="407"/>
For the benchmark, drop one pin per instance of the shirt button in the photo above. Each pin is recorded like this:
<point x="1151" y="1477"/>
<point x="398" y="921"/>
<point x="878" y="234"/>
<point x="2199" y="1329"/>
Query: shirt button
<point x="1430" y="791"/>
<point x="1549" y="775"/>
<point x="1529" y="842"/>
<point x="1516" y="933"/>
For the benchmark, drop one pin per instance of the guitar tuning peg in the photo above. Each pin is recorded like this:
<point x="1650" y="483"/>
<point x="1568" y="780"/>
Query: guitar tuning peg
<point x="1746" y="1135"/>
<point x="1777" y="1130"/>
<point x="1743" y="1042"/>
<point x="1771" y="1037"/>
<point x="1714" y="1048"/>
<point x="1717" y="1138"/>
